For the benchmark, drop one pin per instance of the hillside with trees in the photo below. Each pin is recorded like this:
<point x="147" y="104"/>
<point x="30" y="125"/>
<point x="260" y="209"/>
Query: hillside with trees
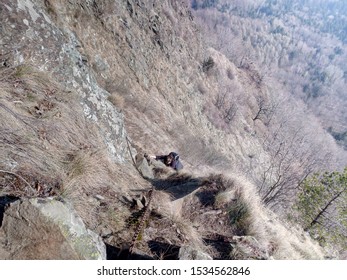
<point x="299" y="44"/>
<point x="91" y="90"/>
<point x="295" y="51"/>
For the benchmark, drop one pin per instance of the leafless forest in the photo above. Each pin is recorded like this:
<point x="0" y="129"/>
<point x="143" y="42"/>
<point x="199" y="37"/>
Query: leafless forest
<point x="298" y="44"/>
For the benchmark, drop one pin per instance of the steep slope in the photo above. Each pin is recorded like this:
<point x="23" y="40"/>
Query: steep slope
<point x="77" y="77"/>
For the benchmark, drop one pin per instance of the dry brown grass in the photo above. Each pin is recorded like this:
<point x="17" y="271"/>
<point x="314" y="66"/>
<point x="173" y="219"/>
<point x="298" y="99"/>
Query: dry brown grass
<point x="25" y="138"/>
<point x="223" y="207"/>
<point x="245" y="215"/>
<point x="117" y="100"/>
<point x="44" y="135"/>
<point x="283" y="241"/>
<point x="57" y="152"/>
<point x="182" y="227"/>
<point x="230" y="197"/>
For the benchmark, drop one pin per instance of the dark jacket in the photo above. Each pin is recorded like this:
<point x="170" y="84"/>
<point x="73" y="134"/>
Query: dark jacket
<point x="175" y="163"/>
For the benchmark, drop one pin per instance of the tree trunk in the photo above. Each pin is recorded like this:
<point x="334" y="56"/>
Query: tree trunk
<point x="315" y="220"/>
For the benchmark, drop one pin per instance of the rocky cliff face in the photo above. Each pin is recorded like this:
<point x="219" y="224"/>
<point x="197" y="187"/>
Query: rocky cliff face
<point x="143" y="58"/>
<point x="29" y="35"/>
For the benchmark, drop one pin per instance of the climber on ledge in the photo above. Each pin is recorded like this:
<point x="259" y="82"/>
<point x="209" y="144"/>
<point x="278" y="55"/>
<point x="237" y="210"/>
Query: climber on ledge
<point x="170" y="160"/>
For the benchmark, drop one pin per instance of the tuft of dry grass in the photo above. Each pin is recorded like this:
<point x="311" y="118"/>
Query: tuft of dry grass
<point x="287" y="241"/>
<point x="283" y="241"/>
<point x="23" y="137"/>
<point x="229" y="196"/>
<point x="91" y="174"/>
<point x="117" y="100"/>
<point x="57" y="152"/>
<point x="183" y="227"/>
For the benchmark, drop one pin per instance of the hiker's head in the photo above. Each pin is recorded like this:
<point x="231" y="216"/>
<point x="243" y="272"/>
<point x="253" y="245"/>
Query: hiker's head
<point x="169" y="159"/>
<point x="174" y="155"/>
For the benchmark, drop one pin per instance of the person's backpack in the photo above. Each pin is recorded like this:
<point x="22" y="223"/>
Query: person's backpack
<point x="178" y="165"/>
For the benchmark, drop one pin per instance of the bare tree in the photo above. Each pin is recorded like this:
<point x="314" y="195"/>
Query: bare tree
<point x="292" y="157"/>
<point x="266" y="109"/>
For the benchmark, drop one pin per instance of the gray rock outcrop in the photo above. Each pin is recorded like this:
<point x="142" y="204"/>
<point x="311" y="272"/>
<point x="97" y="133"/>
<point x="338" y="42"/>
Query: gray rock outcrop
<point x="143" y="167"/>
<point x="29" y="35"/>
<point x="189" y="253"/>
<point x="46" y="229"/>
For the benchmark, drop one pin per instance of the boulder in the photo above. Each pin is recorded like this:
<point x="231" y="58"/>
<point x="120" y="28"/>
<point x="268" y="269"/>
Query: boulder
<point x="47" y="229"/>
<point x="143" y="167"/>
<point x="190" y="253"/>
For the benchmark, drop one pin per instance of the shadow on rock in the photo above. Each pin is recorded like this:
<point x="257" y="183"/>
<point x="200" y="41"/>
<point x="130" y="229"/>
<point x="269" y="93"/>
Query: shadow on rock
<point x="220" y="246"/>
<point x="4" y="201"/>
<point x="164" y="251"/>
<point x="114" y="253"/>
<point x="178" y="185"/>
